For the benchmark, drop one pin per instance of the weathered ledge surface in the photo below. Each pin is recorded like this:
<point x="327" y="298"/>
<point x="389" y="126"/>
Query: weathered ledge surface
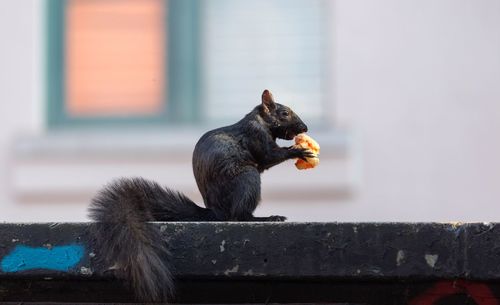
<point x="305" y="259"/>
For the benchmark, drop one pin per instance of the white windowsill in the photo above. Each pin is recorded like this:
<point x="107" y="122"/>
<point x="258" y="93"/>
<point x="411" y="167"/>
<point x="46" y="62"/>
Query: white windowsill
<point x="66" y="166"/>
<point x="139" y="142"/>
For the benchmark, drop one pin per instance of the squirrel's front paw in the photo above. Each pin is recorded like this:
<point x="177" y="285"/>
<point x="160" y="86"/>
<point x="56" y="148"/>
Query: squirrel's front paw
<point x="277" y="218"/>
<point x="301" y="153"/>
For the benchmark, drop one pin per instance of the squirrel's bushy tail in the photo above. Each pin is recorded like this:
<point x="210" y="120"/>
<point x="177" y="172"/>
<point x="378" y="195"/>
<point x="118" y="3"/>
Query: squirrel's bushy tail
<point x="125" y="242"/>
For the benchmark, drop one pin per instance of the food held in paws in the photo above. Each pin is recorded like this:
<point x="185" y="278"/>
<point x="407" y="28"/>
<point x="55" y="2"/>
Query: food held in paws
<point x="304" y="141"/>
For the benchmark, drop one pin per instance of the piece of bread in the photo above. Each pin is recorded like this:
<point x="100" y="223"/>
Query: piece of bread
<point x="304" y="141"/>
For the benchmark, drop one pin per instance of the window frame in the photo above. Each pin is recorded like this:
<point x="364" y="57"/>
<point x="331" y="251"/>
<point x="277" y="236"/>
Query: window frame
<point x="182" y="68"/>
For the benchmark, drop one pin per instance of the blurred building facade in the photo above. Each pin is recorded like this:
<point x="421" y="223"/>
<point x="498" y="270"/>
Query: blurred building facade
<point x="403" y="96"/>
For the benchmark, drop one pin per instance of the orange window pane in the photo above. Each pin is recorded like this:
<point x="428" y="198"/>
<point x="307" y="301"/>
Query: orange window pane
<point x="115" y="57"/>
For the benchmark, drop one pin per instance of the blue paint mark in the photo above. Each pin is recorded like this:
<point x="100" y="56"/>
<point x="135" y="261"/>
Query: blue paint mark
<point x="60" y="258"/>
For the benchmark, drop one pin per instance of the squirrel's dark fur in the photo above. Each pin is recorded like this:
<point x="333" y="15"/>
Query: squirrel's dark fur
<point x="227" y="163"/>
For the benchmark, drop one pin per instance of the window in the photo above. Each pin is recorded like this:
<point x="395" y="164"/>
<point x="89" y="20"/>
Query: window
<point x="119" y="61"/>
<point x="114" y="58"/>
<point x="251" y="45"/>
<point x="182" y="61"/>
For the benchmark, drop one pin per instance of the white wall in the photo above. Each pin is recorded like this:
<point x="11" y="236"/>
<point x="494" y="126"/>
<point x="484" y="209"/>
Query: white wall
<point x="416" y="83"/>
<point x="419" y="81"/>
<point x="20" y="86"/>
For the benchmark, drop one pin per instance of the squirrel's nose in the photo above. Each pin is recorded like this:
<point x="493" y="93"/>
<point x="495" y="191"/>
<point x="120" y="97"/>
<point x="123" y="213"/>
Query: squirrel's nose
<point x="303" y="128"/>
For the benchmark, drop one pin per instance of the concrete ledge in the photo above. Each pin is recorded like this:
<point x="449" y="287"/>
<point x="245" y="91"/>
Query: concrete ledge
<point x="295" y="262"/>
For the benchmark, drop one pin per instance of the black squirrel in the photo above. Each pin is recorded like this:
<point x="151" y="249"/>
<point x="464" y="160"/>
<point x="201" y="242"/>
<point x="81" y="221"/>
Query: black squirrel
<point x="227" y="163"/>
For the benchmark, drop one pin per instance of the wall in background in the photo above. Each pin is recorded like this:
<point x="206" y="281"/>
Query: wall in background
<point x="416" y="85"/>
<point x="21" y="90"/>
<point x="418" y="81"/>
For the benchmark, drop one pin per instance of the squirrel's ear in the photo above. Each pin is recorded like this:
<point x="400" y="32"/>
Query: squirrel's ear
<point x="268" y="100"/>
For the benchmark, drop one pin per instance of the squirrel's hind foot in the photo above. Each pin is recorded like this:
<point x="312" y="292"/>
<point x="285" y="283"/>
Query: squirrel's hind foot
<point x="276" y="218"/>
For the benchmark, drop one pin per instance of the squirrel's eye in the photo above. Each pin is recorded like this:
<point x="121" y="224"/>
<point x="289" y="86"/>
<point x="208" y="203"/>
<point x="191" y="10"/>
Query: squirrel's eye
<point x="284" y="113"/>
